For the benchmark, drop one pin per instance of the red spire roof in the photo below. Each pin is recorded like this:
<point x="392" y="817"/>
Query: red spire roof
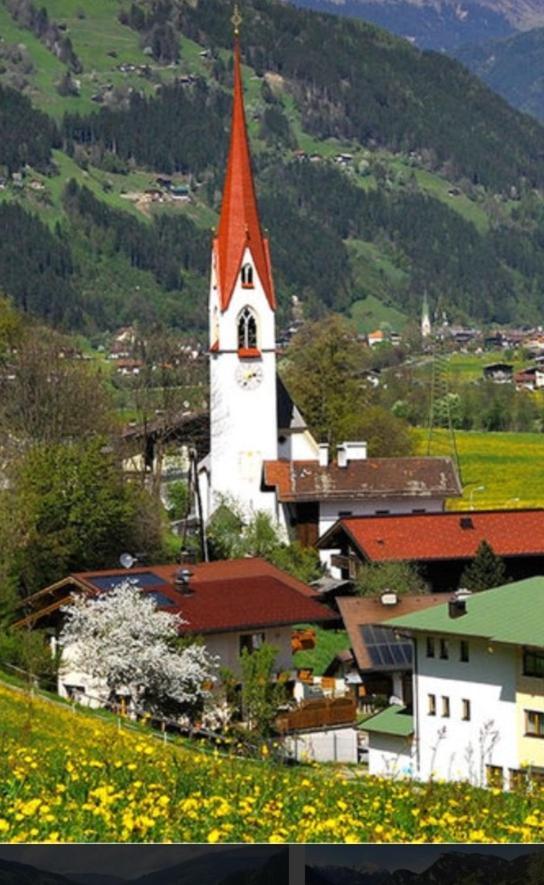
<point x="239" y="224"/>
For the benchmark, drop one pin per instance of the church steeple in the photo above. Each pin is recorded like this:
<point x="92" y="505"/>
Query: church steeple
<point x="239" y="225"/>
<point x="242" y="317"/>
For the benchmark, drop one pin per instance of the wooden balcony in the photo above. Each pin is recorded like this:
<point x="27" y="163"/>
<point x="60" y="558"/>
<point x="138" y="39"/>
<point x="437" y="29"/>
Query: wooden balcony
<point x="319" y="713"/>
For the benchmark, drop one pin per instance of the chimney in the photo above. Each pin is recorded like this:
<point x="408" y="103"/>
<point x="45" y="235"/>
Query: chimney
<point x="351" y="451"/>
<point x="457" y="607"/>
<point x="187" y="556"/>
<point x="182" y="581"/>
<point x="323" y="454"/>
<point x="356" y="451"/>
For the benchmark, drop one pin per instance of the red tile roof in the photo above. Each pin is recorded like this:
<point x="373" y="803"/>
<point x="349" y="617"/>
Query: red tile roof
<point x="370" y="477"/>
<point x="225" y="596"/>
<point x="434" y="536"/>
<point x="239" y="224"/>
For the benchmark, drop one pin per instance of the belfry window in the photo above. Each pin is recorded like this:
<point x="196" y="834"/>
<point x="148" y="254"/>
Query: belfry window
<point x="247" y="276"/>
<point x="247" y="330"/>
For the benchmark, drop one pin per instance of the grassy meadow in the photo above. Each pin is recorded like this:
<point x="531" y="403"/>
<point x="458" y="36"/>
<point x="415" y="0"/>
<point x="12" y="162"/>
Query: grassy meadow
<point x="508" y="465"/>
<point x="328" y="644"/>
<point x="75" y="777"/>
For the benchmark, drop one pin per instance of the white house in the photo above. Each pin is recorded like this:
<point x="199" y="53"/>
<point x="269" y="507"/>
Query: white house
<point x="478" y="691"/>
<point x="233" y="605"/>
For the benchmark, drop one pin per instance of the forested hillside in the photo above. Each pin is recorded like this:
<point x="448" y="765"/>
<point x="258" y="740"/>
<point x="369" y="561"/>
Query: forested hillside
<point x="382" y="170"/>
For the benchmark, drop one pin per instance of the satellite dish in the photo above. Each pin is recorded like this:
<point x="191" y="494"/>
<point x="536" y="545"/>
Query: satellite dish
<point x="127" y="560"/>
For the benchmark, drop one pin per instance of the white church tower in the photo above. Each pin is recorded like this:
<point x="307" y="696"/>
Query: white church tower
<point x="242" y="304"/>
<point x="425" y="317"/>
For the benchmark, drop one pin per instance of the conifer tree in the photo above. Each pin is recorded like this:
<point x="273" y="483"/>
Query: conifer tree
<point x="485" y="571"/>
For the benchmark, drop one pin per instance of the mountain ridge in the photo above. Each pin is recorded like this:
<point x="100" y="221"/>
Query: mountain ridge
<point x="449" y="868"/>
<point x="442" y="25"/>
<point x="512" y="67"/>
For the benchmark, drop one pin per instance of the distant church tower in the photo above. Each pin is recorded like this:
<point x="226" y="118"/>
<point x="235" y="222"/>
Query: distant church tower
<point x="242" y="304"/>
<point x="425" y="318"/>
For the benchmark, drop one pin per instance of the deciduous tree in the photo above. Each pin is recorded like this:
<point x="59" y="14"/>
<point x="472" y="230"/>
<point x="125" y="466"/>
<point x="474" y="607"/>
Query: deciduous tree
<point x="401" y="578"/>
<point x="122" y="639"/>
<point x="73" y="510"/>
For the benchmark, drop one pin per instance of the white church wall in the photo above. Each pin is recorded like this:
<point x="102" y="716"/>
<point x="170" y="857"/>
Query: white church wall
<point x="298" y="446"/>
<point x="243" y="419"/>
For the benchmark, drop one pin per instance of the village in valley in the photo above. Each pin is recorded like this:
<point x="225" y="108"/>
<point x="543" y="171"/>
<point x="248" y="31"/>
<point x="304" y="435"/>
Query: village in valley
<point x="300" y="613"/>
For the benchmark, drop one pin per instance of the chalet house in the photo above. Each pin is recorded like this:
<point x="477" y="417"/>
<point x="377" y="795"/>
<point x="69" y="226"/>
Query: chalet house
<point x="440" y="545"/>
<point x="376" y="337"/>
<point x="232" y="605"/>
<point x="128" y="366"/>
<point x="531" y="378"/>
<point x="478" y="696"/>
<point x="500" y="373"/>
<point x="379" y="661"/>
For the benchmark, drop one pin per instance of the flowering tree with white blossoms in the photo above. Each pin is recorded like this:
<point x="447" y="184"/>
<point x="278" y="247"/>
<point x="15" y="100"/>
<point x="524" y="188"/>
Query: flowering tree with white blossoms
<point x="123" y="640"/>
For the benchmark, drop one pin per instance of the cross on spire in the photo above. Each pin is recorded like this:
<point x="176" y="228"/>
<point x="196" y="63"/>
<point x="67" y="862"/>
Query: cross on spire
<point x="236" y="20"/>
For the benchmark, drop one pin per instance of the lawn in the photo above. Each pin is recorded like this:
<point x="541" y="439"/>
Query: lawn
<point x="508" y="465"/>
<point x="328" y="644"/>
<point x="74" y="777"/>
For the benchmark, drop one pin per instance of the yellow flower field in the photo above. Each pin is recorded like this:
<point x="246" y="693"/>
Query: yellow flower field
<point x="507" y="465"/>
<point x="68" y="776"/>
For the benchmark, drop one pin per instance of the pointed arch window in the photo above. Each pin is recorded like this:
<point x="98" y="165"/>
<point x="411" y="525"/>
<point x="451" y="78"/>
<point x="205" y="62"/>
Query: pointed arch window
<point x="246" y="275"/>
<point x="247" y="333"/>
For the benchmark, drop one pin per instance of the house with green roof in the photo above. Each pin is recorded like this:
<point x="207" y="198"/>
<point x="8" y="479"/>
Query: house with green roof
<point x="478" y="691"/>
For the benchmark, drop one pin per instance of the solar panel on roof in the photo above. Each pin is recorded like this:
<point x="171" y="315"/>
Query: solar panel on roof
<point x="385" y="649"/>
<point x="160" y="598"/>
<point x="139" y="579"/>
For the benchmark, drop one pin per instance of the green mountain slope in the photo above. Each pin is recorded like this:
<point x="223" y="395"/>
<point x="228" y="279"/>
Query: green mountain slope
<point x="514" y="68"/>
<point x="381" y="170"/>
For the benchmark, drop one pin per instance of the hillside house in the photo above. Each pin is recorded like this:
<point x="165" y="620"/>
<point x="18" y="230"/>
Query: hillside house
<point x="530" y="378"/>
<point x="440" y="545"/>
<point x="478" y="691"/>
<point x="377" y="337"/>
<point x="500" y="373"/>
<point x="232" y="605"/>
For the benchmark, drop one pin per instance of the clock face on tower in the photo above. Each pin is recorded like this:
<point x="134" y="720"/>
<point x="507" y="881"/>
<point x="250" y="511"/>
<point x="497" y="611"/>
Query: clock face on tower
<point x="249" y="376"/>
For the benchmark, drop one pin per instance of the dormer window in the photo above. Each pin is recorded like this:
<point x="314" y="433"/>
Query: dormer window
<point x="247" y="276"/>
<point x="247" y="333"/>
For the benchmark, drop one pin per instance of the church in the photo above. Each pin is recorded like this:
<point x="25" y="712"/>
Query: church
<point x="262" y="455"/>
